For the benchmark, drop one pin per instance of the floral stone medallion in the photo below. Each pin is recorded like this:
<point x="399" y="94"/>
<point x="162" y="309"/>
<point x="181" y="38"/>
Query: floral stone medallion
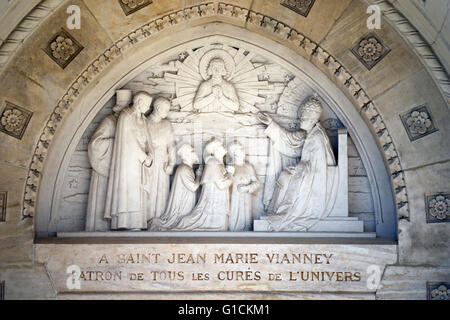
<point x="131" y="6"/>
<point x="418" y="123"/>
<point x="63" y="48"/>
<point x="370" y="50"/>
<point x="438" y="291"/>
<point x="438" y="207"/>
<point x="14" y="120"/>
<point x="302" y="7"/>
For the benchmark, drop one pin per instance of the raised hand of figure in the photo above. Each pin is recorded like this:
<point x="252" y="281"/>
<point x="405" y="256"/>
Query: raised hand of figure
<point x="265" y="118"/>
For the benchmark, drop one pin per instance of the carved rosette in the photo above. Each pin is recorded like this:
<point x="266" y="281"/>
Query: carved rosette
<point x="438" y="291"/>
<point x="418" y="123"/>
<point x="302" y="7"/>
<point x="63" y="48"/>
<point x="131" y="6"/>
<point x="14" y="120"/>
<point x="438" y="207"/>
<point x="370" y="50"/>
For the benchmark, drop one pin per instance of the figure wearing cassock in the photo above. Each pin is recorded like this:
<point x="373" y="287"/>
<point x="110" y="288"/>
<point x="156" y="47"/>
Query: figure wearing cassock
<point x="164" y="158"/>
<point x="213" y="209"/>
<point x="285" y="150"/>
<point x="126" y="198"/>
<point x="183" y="194"/>
<point x="100" y="150"/>
<point x="245" y="184"/>
<point x="312" y="189"/>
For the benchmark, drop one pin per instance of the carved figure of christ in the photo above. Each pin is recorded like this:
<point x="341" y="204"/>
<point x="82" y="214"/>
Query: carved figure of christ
<point x="216" y="94"/>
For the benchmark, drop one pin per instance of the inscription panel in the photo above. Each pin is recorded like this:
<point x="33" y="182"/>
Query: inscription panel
<point x="215" y="267"/>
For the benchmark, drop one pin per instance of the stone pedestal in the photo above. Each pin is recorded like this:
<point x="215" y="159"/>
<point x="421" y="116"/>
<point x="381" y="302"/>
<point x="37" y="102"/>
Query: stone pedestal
<point x="332" y="224"/>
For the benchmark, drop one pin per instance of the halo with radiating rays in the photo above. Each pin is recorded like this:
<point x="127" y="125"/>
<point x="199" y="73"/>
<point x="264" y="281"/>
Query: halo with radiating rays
<point x="243" y="75"/>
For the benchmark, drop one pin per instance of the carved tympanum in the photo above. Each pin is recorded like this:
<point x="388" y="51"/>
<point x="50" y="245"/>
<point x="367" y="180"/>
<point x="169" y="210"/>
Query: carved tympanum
<point x="217" y="94"/>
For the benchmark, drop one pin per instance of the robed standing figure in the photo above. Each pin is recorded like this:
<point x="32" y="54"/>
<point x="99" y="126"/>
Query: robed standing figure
<point x="126" y="200"/>
<point x="100" y="151"/>
<point x="164" y="157"/>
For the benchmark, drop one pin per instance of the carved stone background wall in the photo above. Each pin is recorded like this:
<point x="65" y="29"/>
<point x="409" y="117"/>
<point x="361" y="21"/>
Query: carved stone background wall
<point x="410" y="76"/>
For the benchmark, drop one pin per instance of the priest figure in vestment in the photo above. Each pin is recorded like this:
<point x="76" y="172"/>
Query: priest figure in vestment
<point x="100" y="150"/>
<point x="312" y="188"/>
<point x="126" y="199"/>
<point x="164" y="158"/>
<point x="285" y="150"/>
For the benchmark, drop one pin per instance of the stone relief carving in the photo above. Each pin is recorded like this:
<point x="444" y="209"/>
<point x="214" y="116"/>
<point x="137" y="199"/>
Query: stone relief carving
<point x="127" y="200"/>
<point x="14" y="120"/>
<point x="245" y="183"/>
<point x="438" y="291"/>
<point x="162" y="149"/>
<point x="63" y="48"/>
<point x="217" y="78"/>
<point x="100" y="152"/>
<point x="438" y="207"/>
<point x="183" y="194"/>
<point x="302" y="7"/>
<point x="306" y="193"/>
<point x="131" y="6"/>
<point x="133" y="156"/>
<point x="370" y="50"/>
<point x="284" y="32"/>
<point x="418" y="123"/>
<point x="213" y="208"/>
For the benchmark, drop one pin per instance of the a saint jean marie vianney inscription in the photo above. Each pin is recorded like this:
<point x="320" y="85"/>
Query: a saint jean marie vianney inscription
<point x="219" y="267"/>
